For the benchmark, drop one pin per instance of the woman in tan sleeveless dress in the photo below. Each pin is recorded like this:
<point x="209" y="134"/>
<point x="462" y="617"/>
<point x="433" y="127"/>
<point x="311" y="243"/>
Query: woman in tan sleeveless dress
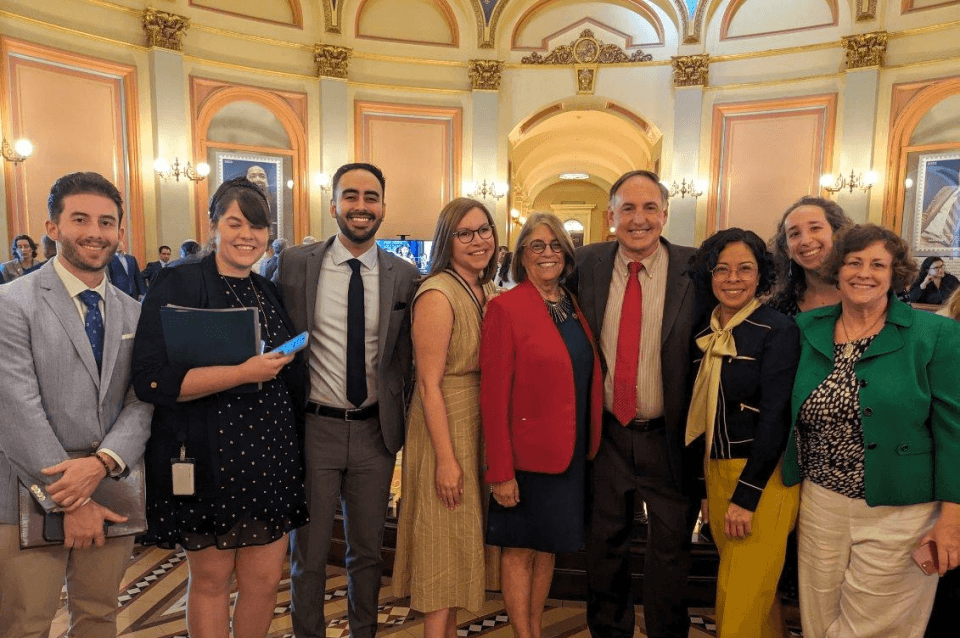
<point x="440" y="552"/>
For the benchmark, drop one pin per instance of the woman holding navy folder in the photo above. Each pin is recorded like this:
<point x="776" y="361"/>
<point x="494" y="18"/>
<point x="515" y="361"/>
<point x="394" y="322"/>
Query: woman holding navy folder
<point x="223" y="464"/>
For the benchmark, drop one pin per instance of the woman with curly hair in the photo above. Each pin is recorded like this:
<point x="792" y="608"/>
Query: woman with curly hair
<point x="739" y="420"/>
<point x="803" y="240"/>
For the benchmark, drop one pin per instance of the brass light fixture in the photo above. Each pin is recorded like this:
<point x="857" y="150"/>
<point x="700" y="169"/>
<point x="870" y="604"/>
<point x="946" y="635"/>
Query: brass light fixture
<point x="167" y="171"/>
<point x="322" y="181"/>
<point x="19" y="151"/>
<point x="483" y="190"/>
<point x="862" y="181"/>
<point x="693" y="188"/>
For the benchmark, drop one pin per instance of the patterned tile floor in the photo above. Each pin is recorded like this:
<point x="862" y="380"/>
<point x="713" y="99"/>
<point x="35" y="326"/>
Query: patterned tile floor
<point x="152" y="605"/>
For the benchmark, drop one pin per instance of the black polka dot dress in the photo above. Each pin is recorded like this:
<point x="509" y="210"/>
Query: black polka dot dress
<point x="829" y="428"/>
<point x="261" y="487"/>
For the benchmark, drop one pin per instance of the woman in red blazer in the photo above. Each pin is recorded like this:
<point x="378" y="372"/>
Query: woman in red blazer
<point x="540" y="401"/>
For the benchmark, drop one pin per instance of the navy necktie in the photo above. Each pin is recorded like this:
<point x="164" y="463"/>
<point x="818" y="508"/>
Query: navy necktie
<point x="356" y="355"/>
<point x="93" y="323"/>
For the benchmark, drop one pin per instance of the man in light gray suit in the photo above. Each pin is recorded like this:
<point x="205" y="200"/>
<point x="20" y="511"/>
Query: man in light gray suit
<point x="67" y="338"/>
<point x="354" y="300"/>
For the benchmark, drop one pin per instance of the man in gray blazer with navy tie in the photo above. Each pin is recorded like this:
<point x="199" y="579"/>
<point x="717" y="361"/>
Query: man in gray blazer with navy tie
<point x="354" y="300"/>
<point x="67" y="338"/>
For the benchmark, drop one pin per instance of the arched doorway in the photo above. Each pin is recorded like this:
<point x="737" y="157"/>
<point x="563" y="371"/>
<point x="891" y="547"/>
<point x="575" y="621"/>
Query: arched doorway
<point x="565" y="157"/>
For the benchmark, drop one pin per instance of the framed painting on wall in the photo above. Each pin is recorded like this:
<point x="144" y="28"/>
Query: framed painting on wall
<point x="936" y="212"/>
<point x="263" y="170"/>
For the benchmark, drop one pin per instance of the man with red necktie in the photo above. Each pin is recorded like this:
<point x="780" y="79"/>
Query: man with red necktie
<point x="640" y="304"/>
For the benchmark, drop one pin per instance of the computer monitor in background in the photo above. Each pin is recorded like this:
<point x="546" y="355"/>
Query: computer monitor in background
<point x="416" y="251"/>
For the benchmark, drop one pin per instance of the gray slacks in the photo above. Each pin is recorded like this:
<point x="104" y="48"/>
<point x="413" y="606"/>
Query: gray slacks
<point x="346" y="462"/>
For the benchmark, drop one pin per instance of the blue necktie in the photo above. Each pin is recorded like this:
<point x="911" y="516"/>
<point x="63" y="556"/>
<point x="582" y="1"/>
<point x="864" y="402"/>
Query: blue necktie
<point x="93" y="323"/>
<point x="356" y="357"/>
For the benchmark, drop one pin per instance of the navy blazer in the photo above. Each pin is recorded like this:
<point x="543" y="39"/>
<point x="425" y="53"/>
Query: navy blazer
<point x="130" y="280"/>
<point x="753" y="411"/>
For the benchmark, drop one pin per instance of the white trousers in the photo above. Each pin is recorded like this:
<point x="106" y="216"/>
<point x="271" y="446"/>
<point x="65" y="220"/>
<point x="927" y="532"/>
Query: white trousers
<point x="857" y="576"/>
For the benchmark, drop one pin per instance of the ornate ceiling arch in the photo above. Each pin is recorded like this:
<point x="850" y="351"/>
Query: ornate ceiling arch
<point x="639" y="7"/>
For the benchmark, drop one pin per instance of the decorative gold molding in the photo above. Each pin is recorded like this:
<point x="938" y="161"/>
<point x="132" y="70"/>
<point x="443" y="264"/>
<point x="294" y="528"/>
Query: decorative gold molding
<point x="331" y="60"/>
<point x="586" y="79"/>
<point x="164" y="30"/>
<point x="485" y="75"/>
<point x="865" y="49"/>
<point x="586" y="49"/>
<point x="866" y="10"/>
<point x="328" y="10"/>
<point x="690" y="70"/>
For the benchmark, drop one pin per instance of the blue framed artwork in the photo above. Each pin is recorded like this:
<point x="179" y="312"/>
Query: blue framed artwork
<point x="263" y="170"/>
<point x="936" y="223"/>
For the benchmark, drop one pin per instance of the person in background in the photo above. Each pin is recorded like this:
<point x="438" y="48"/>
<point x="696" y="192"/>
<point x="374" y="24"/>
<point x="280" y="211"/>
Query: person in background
<point x="440" y="560"/>
<point x="189" y="248"/>
<point x="504" y="279"/>
<point x="49" y="247"/>
<point x="309" y="239"/>
<point x="803" y="240"/>
<point x="933" y="284"/>
<point x="67" y="389"/>
<point x="153" y="268"/>
<point x="640" y="304"/>
<point x="24" y="251"/>
<point x="541" y="402"/>
<point x="269" y="266"/>
<point x="951" y="308"/>
<point x="739" y="420"/>
<point x="875" y="442"/>
<point x="125" y="274"/>
<point x="248" y="490"/>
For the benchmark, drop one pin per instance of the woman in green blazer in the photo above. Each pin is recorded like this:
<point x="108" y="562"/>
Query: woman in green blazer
<point x="876" y="442"/>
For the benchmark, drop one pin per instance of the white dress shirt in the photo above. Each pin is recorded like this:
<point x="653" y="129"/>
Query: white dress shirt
<point x="328" y="340"/>
<point x="74" y="287"/>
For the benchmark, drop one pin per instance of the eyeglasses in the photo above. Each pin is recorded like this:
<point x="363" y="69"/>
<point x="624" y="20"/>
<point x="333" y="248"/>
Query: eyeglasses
<point x="465" y="235"/>
<point x="538" y="246"/>
<point x="744" y="271"/>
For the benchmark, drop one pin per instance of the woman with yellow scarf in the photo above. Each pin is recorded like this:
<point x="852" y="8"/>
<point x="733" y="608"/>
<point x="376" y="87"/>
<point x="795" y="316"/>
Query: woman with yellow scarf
<point x="738" y="425"/>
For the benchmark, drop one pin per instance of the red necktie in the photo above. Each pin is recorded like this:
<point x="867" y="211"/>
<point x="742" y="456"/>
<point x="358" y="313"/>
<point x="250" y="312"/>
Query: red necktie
<point x="628" y="349"/>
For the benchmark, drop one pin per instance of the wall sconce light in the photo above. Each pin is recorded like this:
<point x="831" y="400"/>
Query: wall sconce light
<point x="21" y="150"/>
<point x="516" y="218"/>
<point x="322" y="181"/>
<point x="863" y="181"/>
<point x="693" y="188"/>
<point x="483" y="190"/>
<point x="165" y="170"/>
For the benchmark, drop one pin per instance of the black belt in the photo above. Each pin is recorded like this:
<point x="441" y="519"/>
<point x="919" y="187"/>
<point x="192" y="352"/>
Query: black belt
<point x="358" y="414"/>
<point x="640" y="425"/>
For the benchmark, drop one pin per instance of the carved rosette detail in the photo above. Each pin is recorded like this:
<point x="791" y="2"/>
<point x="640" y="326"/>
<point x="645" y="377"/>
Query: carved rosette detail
<point x="165" y="30"/>
<point x="331" y="60"/>
<point x="587" y="49"/>
<point x="866" y="49"/>
<point x="485" y="75"/>
<point x="690" y="70"/>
